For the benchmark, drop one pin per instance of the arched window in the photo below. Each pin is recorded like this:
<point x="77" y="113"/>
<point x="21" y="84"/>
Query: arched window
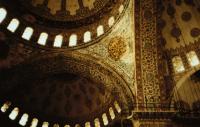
<point x="14" y="113"/>
<point x="87" y="124"/>
<point x="97" y="123"/>
<point x="45" y="124"/>
<point x="192" y="58"/>
<point x="100" y="30"/>
<point x="43" y="39"/>
<point x="67" y="126"/>
<point x="58" y="41"/>
<point x="23" y="119"/>
<point x="178" y="64"/>
<point x="73" y="40"/>
<point x="5" y="106"/>
<point x="87" y="36"/>
<point x="111" y="21"/>
<point x="117" y="107"/>
<point x="34" y="122"/>
<point x="112" y="114"/>
<point x="105" y="119"/>
<point x="121" y="8"/>
<point x="3" y="14"/>
<point x="28" y="32"/>
<point x="13" y="25"/>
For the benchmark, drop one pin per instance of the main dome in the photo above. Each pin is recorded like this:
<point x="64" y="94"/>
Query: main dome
<point x="68" y="24"/>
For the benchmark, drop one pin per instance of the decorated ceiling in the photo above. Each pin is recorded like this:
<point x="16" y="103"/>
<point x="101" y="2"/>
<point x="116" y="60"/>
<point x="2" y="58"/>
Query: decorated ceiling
<point x="66" y="90"/>
<point x="180" y="23"/>
<point x="67" y="24"/>
<point x="92" y="63"/>
<point x="67" y="10"/>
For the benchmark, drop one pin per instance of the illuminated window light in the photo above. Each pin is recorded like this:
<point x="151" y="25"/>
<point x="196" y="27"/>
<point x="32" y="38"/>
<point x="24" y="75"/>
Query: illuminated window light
<point x="111" y="21"/>
<point x="43" y="39"/>
<point x="87" y="124"/>
<point x="97" y="122"/>
<point x="112" y="114"/>
<point x="3" y="14"/>
<point x="117" y="107"/>
<point x="87" y="36"/>
<point x="14" y="113"/>
<point x="178" y="64"/>
<point x="192" y="58"/>
<point x="23" y="119"/>
<point x="34" y="122"/>
<point x="100" y="30"/>
<point x="28" y="32"/>
<point x="45" y="124"/>
<point x="105" y="119"/>
<point x="67" y="126"/>
<point x="13" y="25"/>
<point x="121" y="8"/>
<point x="5" y="106"/>
<point x="58" y="41"/>
<point x="77" y="125"/>
<point x="73" y="40"/>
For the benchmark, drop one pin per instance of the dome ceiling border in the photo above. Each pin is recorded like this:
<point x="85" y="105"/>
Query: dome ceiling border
<point x="55" y="19"/>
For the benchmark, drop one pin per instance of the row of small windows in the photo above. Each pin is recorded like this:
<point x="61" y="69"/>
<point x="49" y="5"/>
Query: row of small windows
<point x="178" y="63"/>
<point x="24" y="118"/>
<point x="28" y="32"/>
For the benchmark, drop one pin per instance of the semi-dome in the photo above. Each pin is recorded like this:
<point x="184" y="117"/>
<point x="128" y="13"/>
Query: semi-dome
<point x="70" y="94"/>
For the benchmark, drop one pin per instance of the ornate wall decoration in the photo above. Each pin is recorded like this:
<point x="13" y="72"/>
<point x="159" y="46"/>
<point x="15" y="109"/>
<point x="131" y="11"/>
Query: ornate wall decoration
<point x="149" y="78"/>
<point x="176" y="33"/>
<point x="181" y="23"/>
<point x="125" y="30"/>
<point x="195" y="32"/>
<point x="116" y="48"/>
<point x="186" y="16"/>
